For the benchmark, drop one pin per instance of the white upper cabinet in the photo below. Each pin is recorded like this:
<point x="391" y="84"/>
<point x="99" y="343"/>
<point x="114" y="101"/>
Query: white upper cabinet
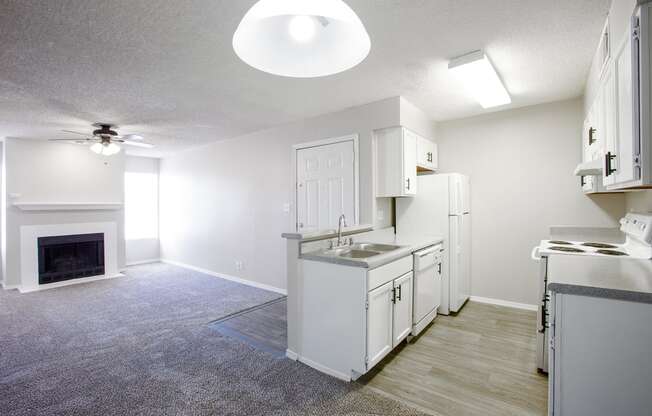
<point x="400" y="154"/>
<point x="627" y="107"/>
<point x="426" y="154"/>
<point x="607" y="96"/>
<point x="624" y="132"/>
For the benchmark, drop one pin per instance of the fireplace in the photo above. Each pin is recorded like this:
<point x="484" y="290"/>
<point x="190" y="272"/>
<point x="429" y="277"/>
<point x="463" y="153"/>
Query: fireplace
<point x="69" y="257"/>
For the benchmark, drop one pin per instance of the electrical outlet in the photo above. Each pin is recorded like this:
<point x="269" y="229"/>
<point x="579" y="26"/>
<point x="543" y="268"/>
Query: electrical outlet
<point x="238" y="265"/>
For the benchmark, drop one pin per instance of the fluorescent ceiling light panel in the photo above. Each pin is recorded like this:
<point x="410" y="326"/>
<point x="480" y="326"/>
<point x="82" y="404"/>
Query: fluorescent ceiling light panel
<point x="301" y="38"/>
<point x="480" y="78"/>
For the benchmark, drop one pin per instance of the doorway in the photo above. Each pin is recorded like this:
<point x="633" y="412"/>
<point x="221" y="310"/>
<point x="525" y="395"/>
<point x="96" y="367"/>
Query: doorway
<point x="326" y="183"/>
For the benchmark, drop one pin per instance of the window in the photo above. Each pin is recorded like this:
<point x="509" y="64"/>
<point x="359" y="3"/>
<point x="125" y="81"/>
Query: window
<point x="141" y="205"/>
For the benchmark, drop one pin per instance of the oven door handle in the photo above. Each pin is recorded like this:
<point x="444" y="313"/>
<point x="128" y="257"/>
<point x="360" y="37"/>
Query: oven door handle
<point x="535" y="254"/>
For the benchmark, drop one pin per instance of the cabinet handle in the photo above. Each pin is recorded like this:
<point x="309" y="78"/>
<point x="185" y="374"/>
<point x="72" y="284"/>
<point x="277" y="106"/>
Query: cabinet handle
<point x="591" y="134"/>
<point x="400" y="291"/>
<point x="582" y="181"/>
<point x="608" y="169"/>
<point x="429" y="157"/>
<point x="439" y="270"/>
<point x="393" y="295"/>
<point x="408" y="184"/>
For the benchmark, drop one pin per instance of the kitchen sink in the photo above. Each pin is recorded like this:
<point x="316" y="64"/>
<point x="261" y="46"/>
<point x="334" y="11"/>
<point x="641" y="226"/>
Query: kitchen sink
<point x="358" y="254"/>
<point x="352" y="252"/>
<point x="374" y="247"/>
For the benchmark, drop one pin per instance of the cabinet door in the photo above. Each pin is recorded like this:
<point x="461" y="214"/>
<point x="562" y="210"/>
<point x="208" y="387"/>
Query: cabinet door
<point x="409" y="162"/>
<point x="426" y="154"/>
<point x="625" y="117"/>
<point x="607" y="115"/>
<point x="402" y="308"/>
<point x="379" y="323"/>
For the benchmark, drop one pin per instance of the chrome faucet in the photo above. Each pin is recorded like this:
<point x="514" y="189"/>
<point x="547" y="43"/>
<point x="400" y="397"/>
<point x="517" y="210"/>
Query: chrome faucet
<point x="339" y="229"/>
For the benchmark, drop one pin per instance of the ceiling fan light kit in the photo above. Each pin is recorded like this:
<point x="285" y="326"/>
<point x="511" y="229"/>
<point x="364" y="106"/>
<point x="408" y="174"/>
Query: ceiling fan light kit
<point x="301" y="38"/>
<point x="105" y="148"/>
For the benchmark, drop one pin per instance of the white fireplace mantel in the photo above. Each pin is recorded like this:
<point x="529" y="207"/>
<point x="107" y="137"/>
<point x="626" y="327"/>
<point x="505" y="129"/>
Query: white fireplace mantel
<point x="68" y="206"/>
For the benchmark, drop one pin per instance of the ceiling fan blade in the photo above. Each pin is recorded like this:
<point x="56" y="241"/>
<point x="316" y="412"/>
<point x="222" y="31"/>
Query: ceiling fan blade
<point x="75" y="132"/>
<point x="136" y="137"/>
<point x="137" y="144"/>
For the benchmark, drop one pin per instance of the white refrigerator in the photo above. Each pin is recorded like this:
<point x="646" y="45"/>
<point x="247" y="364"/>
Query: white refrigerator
<point x="441" y="208"/>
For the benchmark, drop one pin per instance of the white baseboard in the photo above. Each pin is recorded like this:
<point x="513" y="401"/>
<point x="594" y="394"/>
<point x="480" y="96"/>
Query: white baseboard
<point x="500" y="302"/>
<point x="291" y="355"/>
<point x="136" y="263"/>
<point x="227" y="277"/>
<point x="8" y="287"/>
<point x="28" y="289"/>
<point x="324" y="369"/>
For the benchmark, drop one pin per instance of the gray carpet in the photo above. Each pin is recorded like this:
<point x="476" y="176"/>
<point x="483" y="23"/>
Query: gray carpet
<point x="141" y="345"/>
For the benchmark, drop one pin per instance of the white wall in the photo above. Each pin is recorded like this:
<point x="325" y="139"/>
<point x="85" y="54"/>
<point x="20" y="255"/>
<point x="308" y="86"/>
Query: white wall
<point x="521" y="167"/>
<point x="418" y="121"/>
<point x="223" y="202"/>
<point x="640" y="201"/>
<point x="146" y="249"/>
<point x="40" y="171"/>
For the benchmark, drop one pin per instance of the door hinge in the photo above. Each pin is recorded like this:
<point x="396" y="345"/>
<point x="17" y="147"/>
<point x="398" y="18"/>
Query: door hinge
<point x="366" y="304"/>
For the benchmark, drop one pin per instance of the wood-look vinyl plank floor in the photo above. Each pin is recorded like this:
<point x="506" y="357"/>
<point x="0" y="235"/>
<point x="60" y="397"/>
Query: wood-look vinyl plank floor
<point x="479" y="362"/>
<point x="264" y="327"/>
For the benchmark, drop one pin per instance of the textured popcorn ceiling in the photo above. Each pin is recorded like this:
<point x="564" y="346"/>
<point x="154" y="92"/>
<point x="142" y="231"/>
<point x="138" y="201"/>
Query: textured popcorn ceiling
<point x="166" y="69"/>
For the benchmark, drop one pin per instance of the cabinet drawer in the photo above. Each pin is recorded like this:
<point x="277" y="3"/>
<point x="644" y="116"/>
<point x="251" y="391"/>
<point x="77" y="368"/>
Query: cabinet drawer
<point x="391" y="271"/>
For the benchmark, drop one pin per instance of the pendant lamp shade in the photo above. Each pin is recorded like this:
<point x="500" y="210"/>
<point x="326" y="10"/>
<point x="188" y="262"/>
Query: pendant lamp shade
<point x="301" y="38"/>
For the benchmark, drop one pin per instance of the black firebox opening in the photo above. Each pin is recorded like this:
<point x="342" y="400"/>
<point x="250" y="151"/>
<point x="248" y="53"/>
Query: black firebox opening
<point x="70" y="257"/>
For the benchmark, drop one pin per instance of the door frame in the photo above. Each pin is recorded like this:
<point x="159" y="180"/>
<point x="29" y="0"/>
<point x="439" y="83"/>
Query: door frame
<point x="355" y="138"/>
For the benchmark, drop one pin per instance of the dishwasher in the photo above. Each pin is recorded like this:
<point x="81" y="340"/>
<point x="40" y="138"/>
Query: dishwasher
<point x="427" y="286"/>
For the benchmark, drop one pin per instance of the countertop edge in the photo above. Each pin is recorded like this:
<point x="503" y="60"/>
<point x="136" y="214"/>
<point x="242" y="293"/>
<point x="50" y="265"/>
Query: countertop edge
<point x="324" y="235"/>
<point x="601" y="292"/>
<point x="373" y="263"/>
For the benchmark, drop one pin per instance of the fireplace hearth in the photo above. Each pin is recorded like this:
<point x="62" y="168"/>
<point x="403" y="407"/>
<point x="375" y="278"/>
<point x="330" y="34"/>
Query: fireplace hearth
<point x="69" y="257"/>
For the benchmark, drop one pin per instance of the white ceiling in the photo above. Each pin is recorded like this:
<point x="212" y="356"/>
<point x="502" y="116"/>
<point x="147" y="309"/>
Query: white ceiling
<point x="166" y="69"/>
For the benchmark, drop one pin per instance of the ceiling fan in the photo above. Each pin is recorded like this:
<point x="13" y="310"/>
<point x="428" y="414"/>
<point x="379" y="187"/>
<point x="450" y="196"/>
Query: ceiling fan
<point x="105" y="139"/>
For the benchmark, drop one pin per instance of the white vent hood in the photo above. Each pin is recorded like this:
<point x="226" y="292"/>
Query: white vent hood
<point x="593" y="167"/>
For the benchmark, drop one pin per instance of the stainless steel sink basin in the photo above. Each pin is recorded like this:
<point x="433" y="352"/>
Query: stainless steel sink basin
<point x="358" y="254"/>
<point x="352" y="252"/>
<point x="374" y="247"/>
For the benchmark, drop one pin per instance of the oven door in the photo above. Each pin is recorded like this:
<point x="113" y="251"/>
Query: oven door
<point x="542" y="316"/>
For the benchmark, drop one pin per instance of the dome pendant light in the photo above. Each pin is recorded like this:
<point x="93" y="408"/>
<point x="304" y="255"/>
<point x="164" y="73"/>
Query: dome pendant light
<point x="301" y="38"/>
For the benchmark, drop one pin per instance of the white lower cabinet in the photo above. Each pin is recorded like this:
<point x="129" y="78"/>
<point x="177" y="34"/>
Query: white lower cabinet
<point x="380" y="313"/>
<point x="389" y="317"/>
<point x="402" y="308"/>
<point x="599" y="356"/>
<point x="352" y="317"/>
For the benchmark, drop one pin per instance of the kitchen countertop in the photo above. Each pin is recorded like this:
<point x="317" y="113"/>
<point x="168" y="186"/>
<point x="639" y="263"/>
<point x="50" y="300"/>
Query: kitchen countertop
<point x="408" y="245"/>
<point x="326" y="234"/>
<point x="613" y="278"/>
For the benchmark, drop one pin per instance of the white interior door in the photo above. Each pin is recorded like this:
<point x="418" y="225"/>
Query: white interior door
<point x="379" y="323"/>
<point x="325" y="186"/>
